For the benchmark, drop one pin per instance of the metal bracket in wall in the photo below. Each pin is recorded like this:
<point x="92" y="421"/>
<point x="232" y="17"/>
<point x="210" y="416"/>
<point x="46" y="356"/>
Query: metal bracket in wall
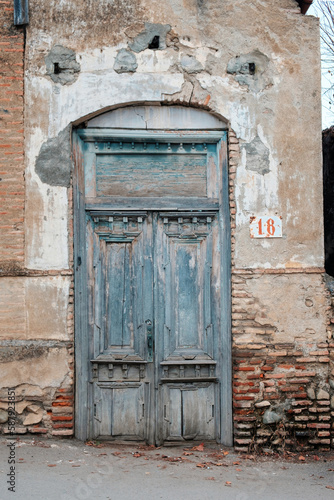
<point x="21" y="12"/>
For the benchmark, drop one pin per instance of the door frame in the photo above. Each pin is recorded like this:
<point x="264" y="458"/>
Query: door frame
<point x="83" y="396"/>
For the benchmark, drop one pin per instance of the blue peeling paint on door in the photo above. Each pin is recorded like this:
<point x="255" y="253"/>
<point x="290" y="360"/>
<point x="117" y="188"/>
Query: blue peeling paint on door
<point x="153" y="232"/>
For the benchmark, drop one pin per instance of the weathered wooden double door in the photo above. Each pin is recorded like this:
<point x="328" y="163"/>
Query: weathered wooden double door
<point x="155" y="315"/>
<point x="153" y="265"/>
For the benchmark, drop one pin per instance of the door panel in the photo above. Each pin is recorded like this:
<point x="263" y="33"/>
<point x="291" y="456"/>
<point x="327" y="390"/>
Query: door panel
<point x="182" y="173"/>
<point x="187" y="303"/>
<point x="122" y="279"/>
<point x="184" y="259"/>
<point x="189" y="412"/>
<point x="120" y="411"/>
<point x="122" y="275"/>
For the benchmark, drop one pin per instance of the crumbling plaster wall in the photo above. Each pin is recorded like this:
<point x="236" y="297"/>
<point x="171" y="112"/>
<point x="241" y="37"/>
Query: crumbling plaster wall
<point x="277" y="107"/>
<point x="204" y="59"/>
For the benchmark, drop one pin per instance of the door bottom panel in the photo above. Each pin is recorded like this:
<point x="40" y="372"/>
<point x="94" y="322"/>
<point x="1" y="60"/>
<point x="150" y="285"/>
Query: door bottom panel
<point x="189" y="412"/>
<point x="120" y="411"/>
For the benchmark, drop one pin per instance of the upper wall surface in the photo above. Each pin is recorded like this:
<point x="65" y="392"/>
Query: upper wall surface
<point x="255" y="64"/>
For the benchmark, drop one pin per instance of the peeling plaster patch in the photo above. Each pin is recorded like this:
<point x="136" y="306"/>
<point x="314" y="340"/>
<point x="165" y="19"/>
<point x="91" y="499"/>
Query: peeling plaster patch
<point x="53" y="164"/>
<point x="154" y="34"/>
<point x="3" y="416"/>
<point x="192" y="93"/>
<point x="181" y="97"/>
<point x="190" y="64"/>
<point x="251" y="70"/>
<point x="51" y="296"/>
<point x="125" y="62"/>
<point x="18" y="353"/>
<point x="61" y="65"/>
<point x="151" y="61"/>
<point x="50" y="369"/>
<point x="211" y="63"/>
<point x="257" y="156"/>
<point x="33" y="418"/>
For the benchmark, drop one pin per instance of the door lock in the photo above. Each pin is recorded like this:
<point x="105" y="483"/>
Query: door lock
<point x="150" y="341"/>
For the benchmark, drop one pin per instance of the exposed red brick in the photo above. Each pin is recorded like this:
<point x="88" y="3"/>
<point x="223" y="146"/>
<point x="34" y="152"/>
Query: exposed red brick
<point x="56" y="418"/>
<point x="61" y="403"/>
<point x="319" y="426"/>
<point x="63" y="426"/>
<point x="12" y="240"/>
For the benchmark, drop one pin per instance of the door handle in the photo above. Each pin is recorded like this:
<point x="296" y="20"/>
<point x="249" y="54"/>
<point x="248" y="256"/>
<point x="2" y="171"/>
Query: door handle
<point x="149" y="339"/>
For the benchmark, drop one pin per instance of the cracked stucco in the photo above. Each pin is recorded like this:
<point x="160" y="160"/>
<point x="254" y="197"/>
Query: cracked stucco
<point x="278" y="102"/>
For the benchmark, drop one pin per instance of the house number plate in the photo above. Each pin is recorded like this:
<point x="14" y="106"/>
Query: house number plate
<point x="266" y="227"/>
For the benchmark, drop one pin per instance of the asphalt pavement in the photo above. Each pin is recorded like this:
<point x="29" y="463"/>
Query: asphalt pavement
<point x="71" y="470"/>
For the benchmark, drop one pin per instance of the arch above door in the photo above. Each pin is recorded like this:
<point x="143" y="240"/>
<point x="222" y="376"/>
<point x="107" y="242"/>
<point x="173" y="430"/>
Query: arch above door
<point x="157" y="117"/>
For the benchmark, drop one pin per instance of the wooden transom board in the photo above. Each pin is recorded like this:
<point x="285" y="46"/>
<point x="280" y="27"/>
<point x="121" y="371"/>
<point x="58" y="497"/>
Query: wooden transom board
<point x="153" y="266"/>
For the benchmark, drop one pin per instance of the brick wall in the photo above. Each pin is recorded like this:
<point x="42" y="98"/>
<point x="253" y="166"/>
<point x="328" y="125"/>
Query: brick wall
<point x="11" y="140"/>
<point x="283" y="381"/>
<point x="38" y="411"/>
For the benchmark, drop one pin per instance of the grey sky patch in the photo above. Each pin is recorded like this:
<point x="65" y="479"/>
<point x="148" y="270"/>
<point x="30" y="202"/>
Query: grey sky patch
<point x="125" y="62"/>
<point x="61" y="65"/>
<point x="145" y="38"/>
<point x="53" y="164"/>
<point x="257" y="156"/>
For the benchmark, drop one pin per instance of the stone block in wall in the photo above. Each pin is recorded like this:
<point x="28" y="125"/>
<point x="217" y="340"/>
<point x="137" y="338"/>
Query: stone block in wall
<point x="46" y="307"/>
<point x="12" y="308"/>
<point x="38" y="366"/>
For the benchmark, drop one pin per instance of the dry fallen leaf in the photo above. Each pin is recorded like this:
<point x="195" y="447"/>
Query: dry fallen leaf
<point x="225" y="453"/>
<point x="52" y="465"/>
<point x="187" y="453"/>
<point x="200" y="447"/>
<point x="236" y="463"/>
<point x="315" y="457"/>
<point x="330" y="487"/>
<point x="96" y="444"/>
<point x="210" y="478"/>
<point x="172" y="459"/>
<point x="202" y="466"/>
<point x="239" y="470"/>
<point x="301" y="458"/>
<point x="137" y="455"/>
<point x="228" y="483"/>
